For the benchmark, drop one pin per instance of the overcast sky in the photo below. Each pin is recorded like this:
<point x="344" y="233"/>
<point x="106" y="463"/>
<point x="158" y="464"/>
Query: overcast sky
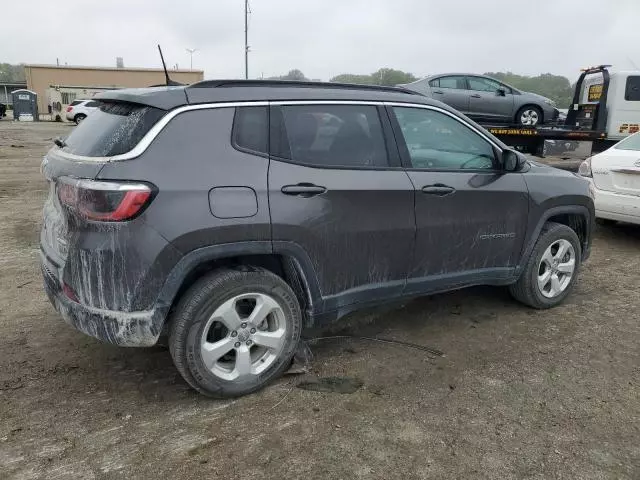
<point x="324" y="38"/>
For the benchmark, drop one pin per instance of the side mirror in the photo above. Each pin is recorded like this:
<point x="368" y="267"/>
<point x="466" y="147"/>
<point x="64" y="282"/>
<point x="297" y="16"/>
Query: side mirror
<point x="501" y="92"/>
<point x="512" y="161"/>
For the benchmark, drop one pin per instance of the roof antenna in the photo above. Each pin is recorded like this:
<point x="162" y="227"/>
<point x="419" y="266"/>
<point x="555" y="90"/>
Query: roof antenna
<point x="166" y="73"/>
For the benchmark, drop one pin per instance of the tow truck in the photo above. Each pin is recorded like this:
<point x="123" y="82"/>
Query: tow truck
<point x="605" y="109"/>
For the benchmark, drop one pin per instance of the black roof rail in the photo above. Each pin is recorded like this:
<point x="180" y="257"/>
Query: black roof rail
<point x="296" y="83"/>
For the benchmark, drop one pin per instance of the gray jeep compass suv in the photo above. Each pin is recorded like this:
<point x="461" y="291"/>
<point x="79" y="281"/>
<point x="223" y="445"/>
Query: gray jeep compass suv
<point x="228" y="215"/>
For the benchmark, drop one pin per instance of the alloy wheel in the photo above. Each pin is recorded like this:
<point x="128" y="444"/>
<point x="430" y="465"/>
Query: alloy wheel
<point x="244" y="336"/>
<point x="556" y="268"/>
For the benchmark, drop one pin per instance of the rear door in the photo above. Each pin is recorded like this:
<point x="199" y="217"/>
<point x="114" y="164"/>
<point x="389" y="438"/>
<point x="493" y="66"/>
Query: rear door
<point x="470" y="215"/>
<point x="451" y="90"/>
<point x="338" y="193"/>
<point x="487" y="101"/>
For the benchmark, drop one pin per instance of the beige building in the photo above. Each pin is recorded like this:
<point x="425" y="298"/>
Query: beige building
<point x="72" y="81"/>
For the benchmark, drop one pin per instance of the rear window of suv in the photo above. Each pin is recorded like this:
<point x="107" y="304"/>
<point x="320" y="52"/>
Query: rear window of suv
<point x="113" y="129"/>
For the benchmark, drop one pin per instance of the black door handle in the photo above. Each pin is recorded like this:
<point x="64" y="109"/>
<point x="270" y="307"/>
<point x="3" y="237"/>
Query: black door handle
<point x="303" y="190"/>
<point x="476" y="96"/>
<point x="438" y="189"/>
<point x="438" y="92"/>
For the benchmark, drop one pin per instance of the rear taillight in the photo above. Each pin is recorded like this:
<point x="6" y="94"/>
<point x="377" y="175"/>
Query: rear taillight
<point x="585" y="168"/>
<point x="69" y="293"/>
<point x="69" y="108"/>
<point x="104" y="201"/>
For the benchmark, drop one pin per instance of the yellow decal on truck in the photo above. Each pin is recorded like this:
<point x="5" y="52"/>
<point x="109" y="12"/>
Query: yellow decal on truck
<point x="629" y="128"/>
<point x="512" y="131"/>
<point x="595" y="92"/>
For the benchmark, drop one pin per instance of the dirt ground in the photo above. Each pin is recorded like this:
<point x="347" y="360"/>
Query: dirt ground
<point x="518" y="394"/>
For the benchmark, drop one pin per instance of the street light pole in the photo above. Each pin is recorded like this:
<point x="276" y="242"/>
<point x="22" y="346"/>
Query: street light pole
<point x="246" y="40"/>
<point x="191" y="52"/>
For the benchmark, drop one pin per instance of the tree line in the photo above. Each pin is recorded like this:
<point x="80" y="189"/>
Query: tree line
<point x="11" y="73"/>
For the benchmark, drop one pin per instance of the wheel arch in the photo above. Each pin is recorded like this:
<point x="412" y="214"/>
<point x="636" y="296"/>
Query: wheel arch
<point x="285" y="259"/>
<point x="576" y="217"/>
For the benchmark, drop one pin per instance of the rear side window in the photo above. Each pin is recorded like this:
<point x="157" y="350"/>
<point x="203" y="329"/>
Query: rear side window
<point x="449" y="82"/>
<point x="333" y="136"/>
<point x="113" y="129"/>
<point x="92" y="104"/>
<point x="632" y="90"/>
<point x="76" y="102"/>
<point x="251" y="129"/>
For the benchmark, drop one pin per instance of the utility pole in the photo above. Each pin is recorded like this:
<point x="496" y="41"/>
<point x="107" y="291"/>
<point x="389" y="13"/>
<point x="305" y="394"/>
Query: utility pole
<point x="246" y="40"/>
<point x="191" y="52"/>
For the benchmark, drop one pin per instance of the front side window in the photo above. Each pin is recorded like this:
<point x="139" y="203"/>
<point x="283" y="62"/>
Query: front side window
<point x="450" y="82"/>
<point x="251" y="129"/>
<point x="333" y="136"/>
<point x="632" y="89"/>
<point x="480" y="84"/>
<point x="437" y="141"/>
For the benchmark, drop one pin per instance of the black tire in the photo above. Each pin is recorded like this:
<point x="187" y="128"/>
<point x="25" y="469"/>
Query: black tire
<point x="79" y="118"/>
<point x="526" y="289"/>
<point x="533" y="108"/>
<point x="190" y="318"/>
<point x="605" y="222"/>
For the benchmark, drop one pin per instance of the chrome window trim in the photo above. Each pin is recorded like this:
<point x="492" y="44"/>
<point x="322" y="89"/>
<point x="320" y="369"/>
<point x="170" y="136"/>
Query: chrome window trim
<point x="150" y="136"/>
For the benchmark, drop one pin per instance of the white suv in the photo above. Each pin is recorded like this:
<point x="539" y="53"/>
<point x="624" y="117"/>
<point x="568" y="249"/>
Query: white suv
<point x="80" y="109"/>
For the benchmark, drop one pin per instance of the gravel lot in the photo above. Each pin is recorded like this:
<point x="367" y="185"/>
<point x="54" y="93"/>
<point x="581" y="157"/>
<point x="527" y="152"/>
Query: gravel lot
<point x="518" y="394"/>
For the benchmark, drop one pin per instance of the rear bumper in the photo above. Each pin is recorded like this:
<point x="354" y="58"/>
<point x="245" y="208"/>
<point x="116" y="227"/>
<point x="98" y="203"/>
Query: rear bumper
<point x="126" y="329"/>
<point x="616" y="206"/>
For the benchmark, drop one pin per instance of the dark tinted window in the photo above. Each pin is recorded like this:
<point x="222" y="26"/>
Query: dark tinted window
<point x="334" y="135"/>
<point x="632" y="91"/>
<point x="113" y="129"/>
<point x="92" y="103"/>
<point x="449" y="82"/>
<point x="437" y="141"/>
<point x="76" y="102"/>
<point x="251" y="129"/>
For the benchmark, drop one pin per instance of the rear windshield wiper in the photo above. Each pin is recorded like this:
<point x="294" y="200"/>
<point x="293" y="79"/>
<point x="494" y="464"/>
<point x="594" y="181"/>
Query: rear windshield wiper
<point x="60" y="142"/>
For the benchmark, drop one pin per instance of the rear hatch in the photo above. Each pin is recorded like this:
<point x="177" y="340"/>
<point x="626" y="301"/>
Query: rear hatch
<point x="618" y="169"/>
<point x="115" y="128"/>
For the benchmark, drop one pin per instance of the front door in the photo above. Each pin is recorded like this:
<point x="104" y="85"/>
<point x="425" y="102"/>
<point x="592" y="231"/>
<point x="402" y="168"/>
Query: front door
<point x="470" y="215"/>
<point x="490" y="100"/>
<point x="334" y="193"/>
<point x="451" y="90"/>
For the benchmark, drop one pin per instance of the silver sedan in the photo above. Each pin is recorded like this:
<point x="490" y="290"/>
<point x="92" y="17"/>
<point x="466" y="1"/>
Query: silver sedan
<point x="487" y="100"/>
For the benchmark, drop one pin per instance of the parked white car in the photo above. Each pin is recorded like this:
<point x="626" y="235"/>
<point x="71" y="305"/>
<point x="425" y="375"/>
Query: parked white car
<point x="615" y="179"/>
<point x="80" y="109"/>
